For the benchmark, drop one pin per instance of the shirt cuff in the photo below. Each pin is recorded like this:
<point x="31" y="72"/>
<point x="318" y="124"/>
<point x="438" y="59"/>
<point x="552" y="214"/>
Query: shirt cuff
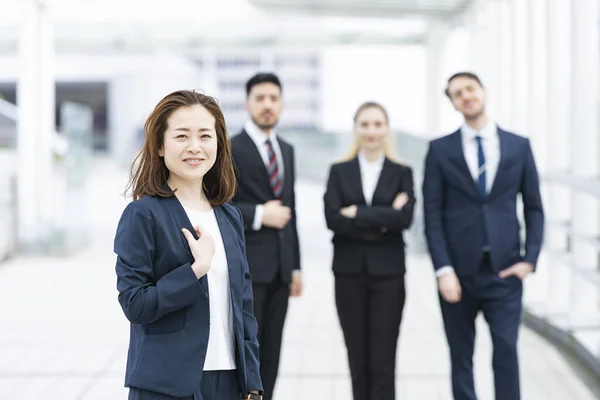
<point x="296" y="272"/>
<point x="258" y="217"/>
<point x="444" y="270"/>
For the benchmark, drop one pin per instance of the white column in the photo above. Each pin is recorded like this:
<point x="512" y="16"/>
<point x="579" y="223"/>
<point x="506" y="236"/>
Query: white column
<point x="536" y="128"/>
<point x="505" y="91"/>
<point x="558" y="200"/>
<point x="520" y="56"/>
<point x="35" y="98"/>
<point x="493" y="54"/>
<point x="47" y="94"/>
<point x="436" y="38"/>
<point x="586" y="155"/>
<point x="537" y="73"/>
<point x="477" y="45"/>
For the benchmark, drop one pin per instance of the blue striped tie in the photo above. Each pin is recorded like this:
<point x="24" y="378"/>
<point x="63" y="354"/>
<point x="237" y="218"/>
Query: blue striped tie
<point x="481" y="181"/>
<point x="481" y="167"/>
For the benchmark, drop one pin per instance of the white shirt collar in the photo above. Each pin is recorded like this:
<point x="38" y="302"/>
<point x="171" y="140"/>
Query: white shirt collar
<point x="488" y="131"/>
<point x="373" y="164"/>
<point x="257" y="135"/>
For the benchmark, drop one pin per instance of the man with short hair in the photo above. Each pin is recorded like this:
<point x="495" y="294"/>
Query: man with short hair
<point x="266" y="176"/>
<point x="471" y="181"/>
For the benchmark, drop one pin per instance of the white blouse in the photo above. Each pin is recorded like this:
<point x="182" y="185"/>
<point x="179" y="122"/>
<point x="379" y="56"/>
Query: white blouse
<point x="369" y="175"/>
<point x="220" y="354"/>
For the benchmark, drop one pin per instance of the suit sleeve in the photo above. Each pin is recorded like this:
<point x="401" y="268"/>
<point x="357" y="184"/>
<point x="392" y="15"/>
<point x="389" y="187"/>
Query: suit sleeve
<point x="433" y="191"/>
<point x="386" y="216"/>
<point x="144" y="301"/>
<point x="251" y="345"/>
<point x="293" y="218"/>
<point x="248" y="211"/>
<point x="532" y="208"/>
<point x="337" y="223"/>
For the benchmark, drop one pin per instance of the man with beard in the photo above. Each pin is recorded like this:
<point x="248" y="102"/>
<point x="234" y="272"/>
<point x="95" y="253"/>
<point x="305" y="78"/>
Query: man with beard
<point x="265" y="195"/>
<point x="470" y="186"/>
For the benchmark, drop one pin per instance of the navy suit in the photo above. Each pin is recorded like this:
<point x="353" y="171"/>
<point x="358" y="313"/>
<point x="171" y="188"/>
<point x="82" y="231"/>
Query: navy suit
<point x="168" y="307"/>
<point x="458" y="218"/>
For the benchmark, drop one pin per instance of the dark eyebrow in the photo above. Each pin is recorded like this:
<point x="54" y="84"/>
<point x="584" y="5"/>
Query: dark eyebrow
<point x="189" y="130"/>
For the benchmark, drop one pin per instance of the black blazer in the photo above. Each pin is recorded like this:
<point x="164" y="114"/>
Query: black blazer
<point x="270" y="251"/>
<point x="375" y="237"/>
<point x="457" y="215"/>
<point x="168" y="307"/>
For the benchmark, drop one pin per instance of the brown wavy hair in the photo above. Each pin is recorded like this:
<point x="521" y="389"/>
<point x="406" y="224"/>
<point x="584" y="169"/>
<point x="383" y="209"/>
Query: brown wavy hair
<point x="149" y="174"/>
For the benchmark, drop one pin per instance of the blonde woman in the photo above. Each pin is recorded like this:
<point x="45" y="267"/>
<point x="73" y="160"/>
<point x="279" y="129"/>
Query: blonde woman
<point x="369" y="203"/>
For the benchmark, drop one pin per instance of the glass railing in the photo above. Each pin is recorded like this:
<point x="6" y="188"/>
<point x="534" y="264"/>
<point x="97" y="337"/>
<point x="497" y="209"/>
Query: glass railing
<point x="8" y="205"/>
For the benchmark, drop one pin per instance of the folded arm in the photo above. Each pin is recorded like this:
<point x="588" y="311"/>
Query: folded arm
<point x="335" y="221"/>
<point x="386" y="216"/>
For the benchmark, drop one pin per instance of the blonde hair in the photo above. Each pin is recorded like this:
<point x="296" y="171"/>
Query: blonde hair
<point x="388" y="146"/>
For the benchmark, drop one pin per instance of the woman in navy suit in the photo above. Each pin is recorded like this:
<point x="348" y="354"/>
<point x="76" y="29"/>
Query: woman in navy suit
<point x="368" y="204"/>
<point x="182" y="274"/>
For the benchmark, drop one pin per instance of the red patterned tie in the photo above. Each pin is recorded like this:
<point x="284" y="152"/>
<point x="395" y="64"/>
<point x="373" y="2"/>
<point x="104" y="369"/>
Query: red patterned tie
<point x="273" y="171"/>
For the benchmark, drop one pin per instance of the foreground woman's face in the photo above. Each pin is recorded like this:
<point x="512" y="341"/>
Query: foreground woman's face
<point x="190" y="143"/>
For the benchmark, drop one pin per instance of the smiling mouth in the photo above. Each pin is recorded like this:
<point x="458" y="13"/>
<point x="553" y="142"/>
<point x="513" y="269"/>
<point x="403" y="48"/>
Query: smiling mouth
<point x="193" y="161"/>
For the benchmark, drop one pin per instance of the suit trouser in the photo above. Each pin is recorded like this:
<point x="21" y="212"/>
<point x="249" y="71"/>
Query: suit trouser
<point x="370" y="312"/>
<point x="221" y="385"/>
<point x="500" y="301"/>
<point x="270" y="309"/>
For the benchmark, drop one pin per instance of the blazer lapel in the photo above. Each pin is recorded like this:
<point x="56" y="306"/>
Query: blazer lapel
<point x="183" y="221"/>
<point x="255" y="158"/>
<point x="232" y="251"/>
<point x="504" y="148"/>
<point x="385" y="181"/>
<point x="356" y="181"/>
<point x="457" y="157"/>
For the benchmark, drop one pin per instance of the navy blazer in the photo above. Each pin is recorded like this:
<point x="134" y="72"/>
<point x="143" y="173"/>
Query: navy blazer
<point x="168" y="307"/>
<point x="457" y="215"/>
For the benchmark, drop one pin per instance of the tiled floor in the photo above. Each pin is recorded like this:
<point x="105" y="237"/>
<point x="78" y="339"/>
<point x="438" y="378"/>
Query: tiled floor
<point x="63" y="336"/>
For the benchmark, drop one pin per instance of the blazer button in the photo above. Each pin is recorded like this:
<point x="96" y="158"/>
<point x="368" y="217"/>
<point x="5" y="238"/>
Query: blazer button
<point x="384" y="230"/>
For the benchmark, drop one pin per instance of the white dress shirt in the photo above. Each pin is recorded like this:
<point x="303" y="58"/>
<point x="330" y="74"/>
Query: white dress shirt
<point x="369" y="175"/>
<point x="220" y="354"/>
<point x="259" y="138"/>
<point x="491" y="150"/>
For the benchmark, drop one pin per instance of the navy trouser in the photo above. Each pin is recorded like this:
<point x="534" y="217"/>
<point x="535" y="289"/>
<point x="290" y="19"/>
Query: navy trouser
<point x="501" y="303"/>
<point x="221" y="385"/>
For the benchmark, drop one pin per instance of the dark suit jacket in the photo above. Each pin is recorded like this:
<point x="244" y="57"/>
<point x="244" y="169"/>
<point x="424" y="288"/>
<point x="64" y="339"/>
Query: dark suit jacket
<point x="168" y="307"/>
<point x="375" y="236"/>
<point x="456" y="214"/>
<point x="270" y="251"/>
